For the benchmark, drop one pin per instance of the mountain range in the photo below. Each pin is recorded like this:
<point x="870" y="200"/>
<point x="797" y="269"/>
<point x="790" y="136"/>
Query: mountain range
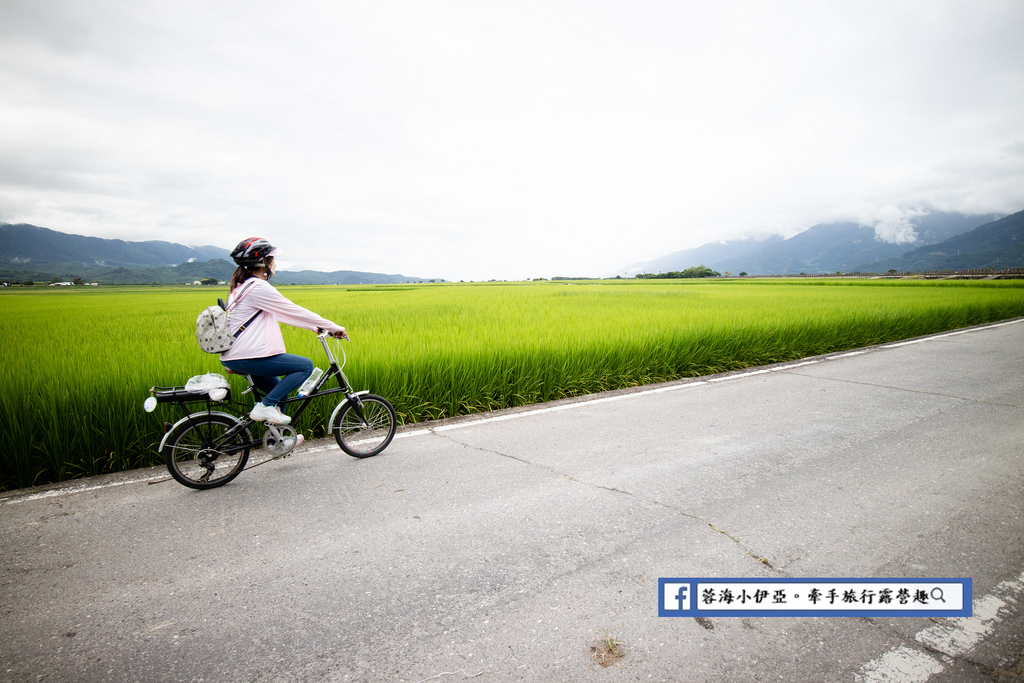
<point x="28" y="252"/>
<point x="936" y="241"/>
<point x="997" y="245"/>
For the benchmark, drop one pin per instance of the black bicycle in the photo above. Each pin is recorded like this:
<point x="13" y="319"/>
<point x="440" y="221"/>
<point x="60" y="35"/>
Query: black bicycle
<point x="209" y="447"/>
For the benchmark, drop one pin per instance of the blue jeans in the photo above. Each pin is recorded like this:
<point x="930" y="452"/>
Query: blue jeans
<point x="293" y="369"/>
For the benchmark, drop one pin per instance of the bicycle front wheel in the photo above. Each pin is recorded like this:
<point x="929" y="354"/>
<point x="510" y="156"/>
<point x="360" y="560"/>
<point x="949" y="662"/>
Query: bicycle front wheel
<point x="199" y="456"/>
<point x="367" y="430"/>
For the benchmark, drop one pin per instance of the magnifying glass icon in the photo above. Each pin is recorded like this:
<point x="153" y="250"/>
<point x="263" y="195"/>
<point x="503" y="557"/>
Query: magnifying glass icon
<point x="937" y="594"/>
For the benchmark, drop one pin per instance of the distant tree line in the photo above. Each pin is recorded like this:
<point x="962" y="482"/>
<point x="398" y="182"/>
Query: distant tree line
<point x="694" y="271"/>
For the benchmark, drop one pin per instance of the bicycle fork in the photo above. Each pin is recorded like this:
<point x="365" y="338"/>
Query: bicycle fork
<point x="351" y="398"/>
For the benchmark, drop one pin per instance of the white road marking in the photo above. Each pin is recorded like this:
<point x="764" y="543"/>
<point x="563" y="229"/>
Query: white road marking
<point x="566" y="406"/>
<point x="64" y="491"/>
<point x="955" y="637"/>
<point x="962" y="634"/>
<point x="901" y="665"/>
<point x="741" y="375"/>
<point x="846" y="355"/>
<point x="949" y="334"/>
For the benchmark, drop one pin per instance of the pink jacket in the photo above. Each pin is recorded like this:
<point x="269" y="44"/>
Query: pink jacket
<point x="262" y="337"/>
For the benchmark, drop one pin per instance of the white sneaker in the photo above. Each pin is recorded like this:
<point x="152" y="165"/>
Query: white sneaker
<point x="261" y="413"/>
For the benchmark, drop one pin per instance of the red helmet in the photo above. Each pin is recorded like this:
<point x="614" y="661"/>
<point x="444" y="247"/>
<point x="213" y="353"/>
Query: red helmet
<point x="253" y="252"/>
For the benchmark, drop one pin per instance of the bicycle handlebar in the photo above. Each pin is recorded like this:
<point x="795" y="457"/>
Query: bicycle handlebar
<point x="322" y="333"/>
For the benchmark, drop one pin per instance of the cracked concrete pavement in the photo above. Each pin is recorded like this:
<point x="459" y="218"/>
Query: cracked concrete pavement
<point x="638" y="496"/>
<point x="504" y="547"/>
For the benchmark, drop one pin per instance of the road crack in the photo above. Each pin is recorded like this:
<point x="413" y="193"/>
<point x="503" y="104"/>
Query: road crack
<point x="649" y="501"/>
<point x="875" y="385"/>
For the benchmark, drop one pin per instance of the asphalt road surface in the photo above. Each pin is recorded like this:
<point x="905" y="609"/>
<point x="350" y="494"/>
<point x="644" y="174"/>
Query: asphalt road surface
<point x="520" y="545"/>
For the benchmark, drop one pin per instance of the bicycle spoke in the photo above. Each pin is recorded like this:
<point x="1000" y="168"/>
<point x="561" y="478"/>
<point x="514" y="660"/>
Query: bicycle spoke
<point x="207" y="451"/>
<point x="368" y="434"/>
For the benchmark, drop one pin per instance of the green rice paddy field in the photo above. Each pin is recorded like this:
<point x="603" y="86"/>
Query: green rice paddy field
<point x="77" y="364"/>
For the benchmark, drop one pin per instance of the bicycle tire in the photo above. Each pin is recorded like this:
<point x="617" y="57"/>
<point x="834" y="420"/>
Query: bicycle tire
<point x="365" y="439"/>
<point x="194" y="462"/>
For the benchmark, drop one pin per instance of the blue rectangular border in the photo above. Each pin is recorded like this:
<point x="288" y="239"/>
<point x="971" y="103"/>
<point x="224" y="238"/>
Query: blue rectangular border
<point x="966" y="611"/>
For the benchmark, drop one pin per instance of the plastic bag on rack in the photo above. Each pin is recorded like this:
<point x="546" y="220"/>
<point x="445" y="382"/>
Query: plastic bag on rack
<point x="211" y="383"/>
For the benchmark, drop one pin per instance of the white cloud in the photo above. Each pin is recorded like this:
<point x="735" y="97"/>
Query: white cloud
<point x="894" y="225"/>
<point x="477" y="140"/>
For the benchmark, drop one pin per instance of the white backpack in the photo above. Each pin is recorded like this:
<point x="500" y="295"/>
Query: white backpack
<point x="212" y="325"/>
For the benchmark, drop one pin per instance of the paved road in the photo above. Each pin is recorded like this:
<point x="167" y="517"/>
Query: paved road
<point x="506" y="548"/>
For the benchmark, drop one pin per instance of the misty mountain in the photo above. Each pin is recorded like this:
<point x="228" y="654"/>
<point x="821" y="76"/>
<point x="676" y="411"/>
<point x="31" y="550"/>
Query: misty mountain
<point x="822" y="248"/>
<point x="715" y="252"/>
<point x="65" y="272"/>
<point x="30" y="245"/>
<point x="998" y="244"/>
<point x="28" y="252"/>
<point x="341" y="277"/>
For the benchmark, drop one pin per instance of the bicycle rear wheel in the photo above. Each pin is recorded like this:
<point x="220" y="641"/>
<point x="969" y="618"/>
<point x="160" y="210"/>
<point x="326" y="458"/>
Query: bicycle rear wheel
<point x="368" y="431"/>
<point x="198" y="455"/>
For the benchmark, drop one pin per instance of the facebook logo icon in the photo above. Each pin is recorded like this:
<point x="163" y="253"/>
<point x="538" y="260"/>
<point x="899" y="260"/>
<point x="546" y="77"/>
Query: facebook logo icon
<point x="675" y="596"/>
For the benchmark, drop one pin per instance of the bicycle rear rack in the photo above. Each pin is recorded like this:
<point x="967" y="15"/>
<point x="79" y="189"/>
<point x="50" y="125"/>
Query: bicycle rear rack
<point x="188" y="401"/>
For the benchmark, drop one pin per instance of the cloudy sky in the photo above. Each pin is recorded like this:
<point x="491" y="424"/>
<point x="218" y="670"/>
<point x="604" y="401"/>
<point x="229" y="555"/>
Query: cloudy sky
<point x="503" y="139"/>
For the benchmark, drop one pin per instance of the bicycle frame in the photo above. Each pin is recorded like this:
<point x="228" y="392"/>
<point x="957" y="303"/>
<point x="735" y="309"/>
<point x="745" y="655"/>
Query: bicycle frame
<point x="244" y="421"/>
<point x="344" y="386"/>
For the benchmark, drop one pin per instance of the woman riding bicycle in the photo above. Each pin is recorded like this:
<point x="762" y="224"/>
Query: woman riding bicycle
<point x="259" y="351"/>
